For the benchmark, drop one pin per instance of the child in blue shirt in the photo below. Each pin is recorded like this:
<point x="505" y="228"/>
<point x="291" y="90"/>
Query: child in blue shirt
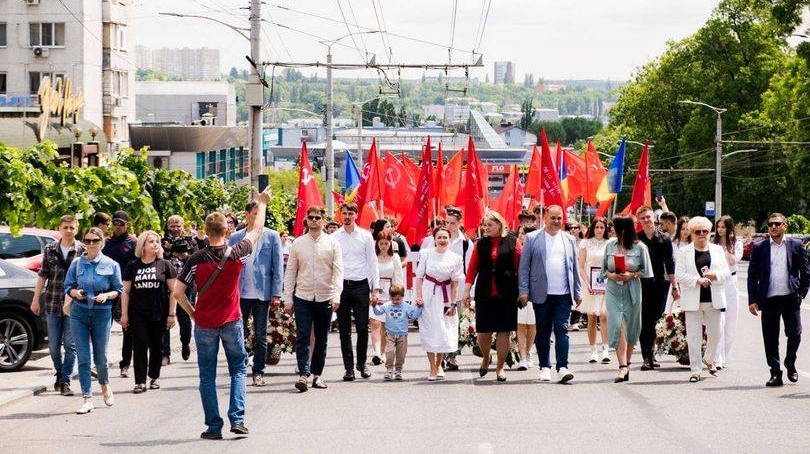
<point x="397" y="315"/>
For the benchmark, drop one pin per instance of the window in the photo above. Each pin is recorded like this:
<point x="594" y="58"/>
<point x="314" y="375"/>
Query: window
<point x="35" y="78"/>
<point x="17" y="248"/>
<point x="3" y="39"/>
<point x="201" y="165"/>
<point x="47" y="34"/>
<point x="3" y="77"/>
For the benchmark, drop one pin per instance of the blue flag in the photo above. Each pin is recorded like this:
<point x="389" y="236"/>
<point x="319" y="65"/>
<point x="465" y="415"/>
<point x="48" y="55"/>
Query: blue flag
<point x="615" y="172"/>
<point x="352" y="183"/>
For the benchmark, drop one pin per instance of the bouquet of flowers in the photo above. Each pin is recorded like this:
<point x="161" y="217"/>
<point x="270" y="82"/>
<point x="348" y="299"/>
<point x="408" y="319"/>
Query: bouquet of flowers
<point x="468" y="337"/>
<point x="281" y="335"/>
<point x="670" y="336"/>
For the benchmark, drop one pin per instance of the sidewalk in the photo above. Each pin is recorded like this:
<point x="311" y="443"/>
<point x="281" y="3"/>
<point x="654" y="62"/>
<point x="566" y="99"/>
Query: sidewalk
<point x="37" y="376"/>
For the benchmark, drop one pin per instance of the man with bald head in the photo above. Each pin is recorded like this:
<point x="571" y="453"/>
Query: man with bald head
<point x="549" y="279"/>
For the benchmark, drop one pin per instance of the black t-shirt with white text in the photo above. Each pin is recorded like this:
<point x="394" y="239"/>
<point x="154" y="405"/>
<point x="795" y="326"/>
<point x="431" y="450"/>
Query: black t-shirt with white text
<point x="149" y="293"/>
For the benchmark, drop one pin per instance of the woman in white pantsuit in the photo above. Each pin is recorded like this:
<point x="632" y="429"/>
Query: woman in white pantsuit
<point x="702" y="271"/>
<point x="725" y="237"/>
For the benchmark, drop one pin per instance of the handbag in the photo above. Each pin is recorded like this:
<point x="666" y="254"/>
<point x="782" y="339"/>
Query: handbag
<point x="216" y="272"/>
<point x="67" y="306"/>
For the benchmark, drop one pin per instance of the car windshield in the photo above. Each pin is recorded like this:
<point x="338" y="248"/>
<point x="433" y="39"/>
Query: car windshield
<point x="16" y="248"/>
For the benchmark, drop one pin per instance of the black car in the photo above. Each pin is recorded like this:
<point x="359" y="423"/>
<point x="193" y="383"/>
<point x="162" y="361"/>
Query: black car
<point x="21" y="332"/>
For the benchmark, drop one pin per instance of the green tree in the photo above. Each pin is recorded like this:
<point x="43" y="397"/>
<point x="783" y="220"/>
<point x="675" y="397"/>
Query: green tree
<point x="527" y="113"/>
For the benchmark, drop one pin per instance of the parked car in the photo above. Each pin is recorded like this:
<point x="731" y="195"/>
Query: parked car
<point x="21" y="332"/>
<point x="26" y="250"/>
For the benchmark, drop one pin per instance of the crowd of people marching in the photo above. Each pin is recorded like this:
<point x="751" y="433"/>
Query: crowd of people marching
<point x="618" y="277"/>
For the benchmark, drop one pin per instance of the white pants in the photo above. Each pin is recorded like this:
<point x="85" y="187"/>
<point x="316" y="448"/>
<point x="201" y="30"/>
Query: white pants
<point x="709" y="316"/>
<point x="728" y="324"/>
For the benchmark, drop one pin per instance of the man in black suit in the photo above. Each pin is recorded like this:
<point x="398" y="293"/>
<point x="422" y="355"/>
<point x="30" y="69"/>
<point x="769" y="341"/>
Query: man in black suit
<point x="778" y="279"/>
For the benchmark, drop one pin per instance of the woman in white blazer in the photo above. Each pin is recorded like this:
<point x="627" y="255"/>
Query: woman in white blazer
<point x="701" y="272"/>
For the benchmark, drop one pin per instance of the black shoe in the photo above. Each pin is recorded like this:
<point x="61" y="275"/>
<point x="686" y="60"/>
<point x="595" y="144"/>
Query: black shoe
<point x="364" y="372"/>
<point x="186" y="352"/>
<point x="348" y="376"/>
<point x="647" y="366"/>
<point x="239" y="429"/>
<point x="66" y="391"/>
<point x="451" y="366"/>
<point x="793" y="375"/>
<point x="376" y="360"/>
<point x="654" y="364"/>
<point x="57" y="386"/>
<point x="622" y="378"/>
<point x="301" y="384"/>
<point x="208" y="435"/>
<point x="776" y="380"/>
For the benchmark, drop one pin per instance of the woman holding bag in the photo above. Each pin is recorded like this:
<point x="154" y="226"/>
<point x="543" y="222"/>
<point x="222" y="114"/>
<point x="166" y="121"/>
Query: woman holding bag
<point x="701" y="272"/>
<point x="93" y="281"/>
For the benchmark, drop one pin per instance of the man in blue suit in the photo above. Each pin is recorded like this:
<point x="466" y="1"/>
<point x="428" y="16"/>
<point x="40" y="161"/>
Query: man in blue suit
<point x="548" y="278"/>
<point x="259" y="286"/>
<point x="778" y="279"/>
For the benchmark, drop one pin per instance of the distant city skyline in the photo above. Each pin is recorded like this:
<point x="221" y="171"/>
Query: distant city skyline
<point x="551" y="40"/>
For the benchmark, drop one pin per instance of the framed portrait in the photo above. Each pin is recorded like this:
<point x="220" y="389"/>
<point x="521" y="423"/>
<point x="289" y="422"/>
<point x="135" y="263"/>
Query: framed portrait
<point x="597" y="283"/>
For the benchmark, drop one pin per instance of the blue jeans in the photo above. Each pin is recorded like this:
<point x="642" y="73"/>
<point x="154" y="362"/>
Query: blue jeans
<point x="91" y="326"/>
<point x="259" y="310"/>
<point x="555" y="312"/>
<point x="311" y="315"/>
<point x="233" y="341"/>
<point x="59" y="335"/>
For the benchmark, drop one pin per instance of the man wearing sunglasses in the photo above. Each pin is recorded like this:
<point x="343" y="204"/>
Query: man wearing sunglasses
<point x="778" y="279"/>
<point x="121" y="248"/>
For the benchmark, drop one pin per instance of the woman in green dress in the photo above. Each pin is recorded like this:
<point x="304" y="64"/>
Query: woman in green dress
<point x="626" y="261"/>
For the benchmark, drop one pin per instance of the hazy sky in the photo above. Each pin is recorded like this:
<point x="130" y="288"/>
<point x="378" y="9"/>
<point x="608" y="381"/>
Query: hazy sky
<point x="559" y="39"/>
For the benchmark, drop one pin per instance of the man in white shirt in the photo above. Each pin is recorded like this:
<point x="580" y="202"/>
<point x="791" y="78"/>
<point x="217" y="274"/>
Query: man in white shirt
<point x="549" y="279"/>
<point x="361" y="285"/>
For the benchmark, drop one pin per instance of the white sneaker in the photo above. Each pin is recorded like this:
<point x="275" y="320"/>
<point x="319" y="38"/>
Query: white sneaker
<point x="545" y="374"/>
<point x="594" y="356"/>
<point x="529" y="363"/>
<point x="564" y="375"/>
<point x="522" y="365"/>
<point x="86" y="408"/>
<point x="605" y="357"/>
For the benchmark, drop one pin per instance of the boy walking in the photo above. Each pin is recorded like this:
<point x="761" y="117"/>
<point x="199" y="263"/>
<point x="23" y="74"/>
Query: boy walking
<point x="397" y="315"/>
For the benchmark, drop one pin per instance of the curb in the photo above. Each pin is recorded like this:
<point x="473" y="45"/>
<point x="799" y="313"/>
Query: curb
<point x="17" y="396"/>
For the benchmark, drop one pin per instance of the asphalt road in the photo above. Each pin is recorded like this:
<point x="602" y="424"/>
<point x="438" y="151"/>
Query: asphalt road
<point x="657" y="410"/>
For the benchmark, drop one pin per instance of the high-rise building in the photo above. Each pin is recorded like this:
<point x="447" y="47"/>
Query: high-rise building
<point x="185" y="63"/>
<point x="504" y="72"/>
<point x="85" y="41"/>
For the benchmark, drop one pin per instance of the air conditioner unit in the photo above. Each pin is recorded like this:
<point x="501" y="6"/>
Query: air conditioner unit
<point x="32" y="2"/>
<point x="41" y="51"/>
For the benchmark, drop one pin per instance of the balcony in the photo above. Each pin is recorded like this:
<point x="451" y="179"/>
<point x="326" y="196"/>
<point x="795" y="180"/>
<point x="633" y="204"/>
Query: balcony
<point x="19" y="100"/>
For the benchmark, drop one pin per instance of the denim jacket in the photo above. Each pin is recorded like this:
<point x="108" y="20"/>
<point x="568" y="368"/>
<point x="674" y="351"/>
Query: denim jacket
<point x="96" y="276"/>
<point x="268" y="264"/>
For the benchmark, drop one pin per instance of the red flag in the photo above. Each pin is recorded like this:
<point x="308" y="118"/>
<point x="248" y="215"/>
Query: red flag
<point x="534" y="178"/>
<point x="399" y="188"/>
<point x="594" y="174"/>
<point x="551" y="192"/>
<point x="308" y="193"/>
<point x="475" y="188"/>
<point x="410" y="166"/>
<point x="511" y="201"/>
<point x="438" y="178"/>
<point x="575" y="170"/>
<point x="418" y="221"/>
<point x="370" y="178"/>
<point x="451" y="177"/>
<point x="641" y="186"/>
<point x="603" y="208"/>
<point x="339" y="199"/>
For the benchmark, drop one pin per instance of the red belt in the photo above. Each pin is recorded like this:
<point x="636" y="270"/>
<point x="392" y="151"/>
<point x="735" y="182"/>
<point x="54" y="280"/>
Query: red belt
<point x="442" y="284"/>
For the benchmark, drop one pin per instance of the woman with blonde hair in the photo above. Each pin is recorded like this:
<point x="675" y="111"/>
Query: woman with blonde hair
<point x="702" y="271"/>
<point x="147" y="307"/>
<point x="495" y="261"/>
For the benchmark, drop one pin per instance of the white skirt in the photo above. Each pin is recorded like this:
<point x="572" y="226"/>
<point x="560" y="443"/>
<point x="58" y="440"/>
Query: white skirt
<point x="592" y="304"/>
<point x="526" y="315"/>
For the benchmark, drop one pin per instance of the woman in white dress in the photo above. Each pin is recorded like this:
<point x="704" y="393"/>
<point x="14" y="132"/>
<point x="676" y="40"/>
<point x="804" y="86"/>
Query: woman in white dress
<point x="437" y="279"/>
<point x="725" y="236"/>
<point x="591" y="255"/>
<point x="390" y="274"/>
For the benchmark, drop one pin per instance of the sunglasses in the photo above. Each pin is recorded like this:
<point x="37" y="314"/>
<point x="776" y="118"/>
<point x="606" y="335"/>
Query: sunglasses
<point x="314" y="218"/>
<point x="118" y="223"/>
<point x="91" y="240"/>
<point x="700" y="232"/>
<point x="774" y="224"/>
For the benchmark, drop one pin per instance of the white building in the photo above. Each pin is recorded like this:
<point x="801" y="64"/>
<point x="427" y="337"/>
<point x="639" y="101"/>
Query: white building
<point x="185" y="63"/>
<point x="504" y="72"/>
<point x="516" y="137"/>
<point x="186" y="102"/>
<point x="541" y="114"/>
<point x="87" y="42"/>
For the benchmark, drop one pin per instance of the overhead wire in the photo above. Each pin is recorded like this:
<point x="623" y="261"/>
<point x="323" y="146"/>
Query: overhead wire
<point x="351" y="35"/>
<point x="452" y="31"/>
<point x="380" y="26"/>
<point x="484" y="26"/>
<point x="354" y="19"/>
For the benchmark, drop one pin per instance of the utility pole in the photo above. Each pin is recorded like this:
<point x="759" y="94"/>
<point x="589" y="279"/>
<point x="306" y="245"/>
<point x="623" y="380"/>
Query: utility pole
<point x="330" y="151"/>
<point x="255" y="95"/>
<point x="718" y="139"/>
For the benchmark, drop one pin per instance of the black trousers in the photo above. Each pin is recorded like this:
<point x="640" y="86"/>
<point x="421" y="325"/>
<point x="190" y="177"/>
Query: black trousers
<point x="788" y="308"/>
<point x="126" y="349"/>
<point x="354" y="300"/>
<point x="184" y="322"/>
<point x="653" y="303"/>
<point x="147" y="343"/>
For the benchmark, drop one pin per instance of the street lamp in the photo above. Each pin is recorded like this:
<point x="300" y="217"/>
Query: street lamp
<point x="330" y="151"/>
<point x="718" y="140"/>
